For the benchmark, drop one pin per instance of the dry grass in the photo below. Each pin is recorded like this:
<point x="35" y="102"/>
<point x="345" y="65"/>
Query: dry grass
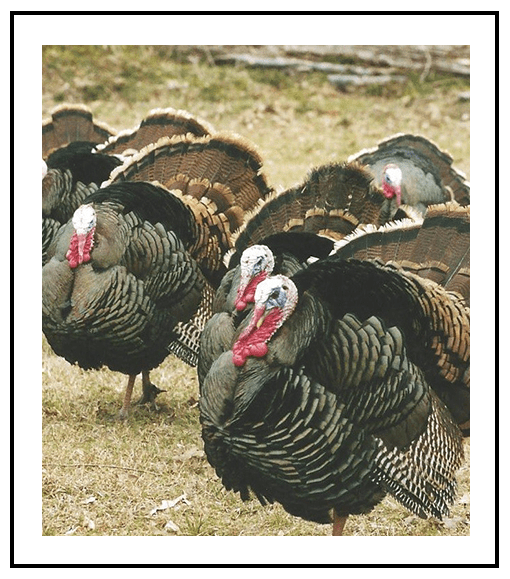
<point x="104" y="477"/>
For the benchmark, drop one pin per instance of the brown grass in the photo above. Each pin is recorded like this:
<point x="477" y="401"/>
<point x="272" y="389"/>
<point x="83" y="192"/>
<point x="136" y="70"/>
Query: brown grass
<point x="105" y="477"/>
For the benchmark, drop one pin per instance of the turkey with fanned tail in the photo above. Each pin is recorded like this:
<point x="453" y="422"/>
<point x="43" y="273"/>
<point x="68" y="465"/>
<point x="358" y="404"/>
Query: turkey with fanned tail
<point x="344" y="383"/>
<point x="131" y="277"/>
<point x="70" y="174"/>
<point x="282" y="234"/>
<point x="413" y="170"/>
<point x="72" y="169"/>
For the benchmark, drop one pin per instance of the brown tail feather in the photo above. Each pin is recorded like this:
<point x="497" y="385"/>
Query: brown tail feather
<point x="217" y="193"/>
<point x="436" y="249"/>
<point x="442" y="246"/>
<point x="158" y="123"/>
<point x="333" y="200"/>
<point x="219" y="178"/>
<point x="214" y="236"/>
<point x="187" y="342"/>
<point x="224" y="159"/>
<point x="70" y="123"/>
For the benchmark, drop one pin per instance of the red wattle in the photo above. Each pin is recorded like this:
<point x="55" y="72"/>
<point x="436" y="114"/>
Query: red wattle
<point x="388" y="191"/>
<point x="253" y="341"/>
<point x="80" y="247"/>
<point x="246" y="295"/>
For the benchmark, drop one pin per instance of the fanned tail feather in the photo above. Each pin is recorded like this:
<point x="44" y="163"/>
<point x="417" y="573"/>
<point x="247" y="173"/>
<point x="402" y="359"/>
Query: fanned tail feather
<point x="332" y="201"/>
<point x="70" y="123"/>
<point x="157" y="124"/>
<point x="416" y="477"/>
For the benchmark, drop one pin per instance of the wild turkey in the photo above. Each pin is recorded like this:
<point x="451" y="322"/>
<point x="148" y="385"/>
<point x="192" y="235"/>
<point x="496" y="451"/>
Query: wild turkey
<point x="413" y="170"/>
<point x="72" y="173"/>
<point x="158" y="123"/>
<point x="340" y="387"/>
<point x="282" y="234"/>
<point x="436" y="247"/>
<point x="131" y="277"/>
<point x="71" y="169"/>
<point x="91" y="151"/>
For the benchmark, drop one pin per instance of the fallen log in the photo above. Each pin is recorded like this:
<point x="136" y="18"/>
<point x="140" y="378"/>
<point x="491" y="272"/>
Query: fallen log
<point x="342" y="81"/>
<point x="290" y="63"/>
<point x="450" y="59"/>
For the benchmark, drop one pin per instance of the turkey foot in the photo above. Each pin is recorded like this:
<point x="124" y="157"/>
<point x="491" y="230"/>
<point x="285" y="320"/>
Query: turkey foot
<point x="150" y="391"/>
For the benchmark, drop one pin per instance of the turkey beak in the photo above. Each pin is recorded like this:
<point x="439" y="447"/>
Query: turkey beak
<point x="258" y="316"/>
<point x="256" y="321"/>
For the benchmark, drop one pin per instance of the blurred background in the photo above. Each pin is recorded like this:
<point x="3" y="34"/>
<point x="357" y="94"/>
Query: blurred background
<point x="301" y="105"/>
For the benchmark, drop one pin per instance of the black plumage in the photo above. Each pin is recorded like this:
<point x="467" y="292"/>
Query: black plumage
<point x="293" y="226"/>
<point x="358" y="393"/>
<point x="131" y="277"/>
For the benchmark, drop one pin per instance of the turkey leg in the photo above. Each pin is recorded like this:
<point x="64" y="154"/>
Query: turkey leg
<point x="124" y="411"/>
<point x="149" y="391"/>
<point x="338" y="524"/>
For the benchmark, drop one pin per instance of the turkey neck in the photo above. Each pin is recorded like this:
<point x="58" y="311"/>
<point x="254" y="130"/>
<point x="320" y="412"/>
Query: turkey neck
<point x="111" y="237"/>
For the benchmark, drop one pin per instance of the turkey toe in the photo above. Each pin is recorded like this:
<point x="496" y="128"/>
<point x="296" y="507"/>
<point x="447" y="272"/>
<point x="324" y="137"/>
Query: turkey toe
<point x="149" y="394"/>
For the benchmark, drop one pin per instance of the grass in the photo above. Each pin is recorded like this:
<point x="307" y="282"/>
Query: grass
<point x="105" y="477"/>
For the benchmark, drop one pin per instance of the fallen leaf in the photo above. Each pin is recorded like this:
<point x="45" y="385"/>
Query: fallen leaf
<point x="451" y="523"/>
<point x="171" y="526"/>
<point x="170" y="504"/>
<point x="192" y="452"/>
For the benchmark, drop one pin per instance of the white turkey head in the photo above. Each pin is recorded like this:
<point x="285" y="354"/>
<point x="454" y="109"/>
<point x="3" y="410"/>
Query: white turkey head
<point x="257" y="262"/>
<point x="82" y="240"/>
<point x="392" y="182"/>
<point x="275" y="299"/>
